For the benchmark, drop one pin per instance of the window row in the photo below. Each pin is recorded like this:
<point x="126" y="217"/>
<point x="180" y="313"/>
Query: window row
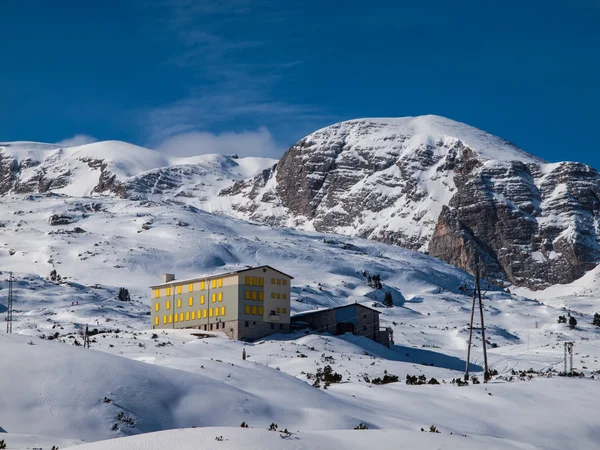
<point x="255" y="281"/>
<point x="215" y="297"/>
<point x="280" y="310"/>
<point x="254" y="310"/>
<point x="278" y="281"/>
<point x="214" y="284"/>
<point x="254" y="295"/>
<point x="278" y="295"/>
<point x="191" y="315"/>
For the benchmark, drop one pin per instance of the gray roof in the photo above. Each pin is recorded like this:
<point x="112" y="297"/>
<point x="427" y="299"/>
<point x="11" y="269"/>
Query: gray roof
<point x="316" y="311"/>
<point x="218" y="275"/>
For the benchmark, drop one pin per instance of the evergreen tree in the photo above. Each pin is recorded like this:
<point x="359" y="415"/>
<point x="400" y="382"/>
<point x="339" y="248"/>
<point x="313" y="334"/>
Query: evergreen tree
<point x="376" y="280"/>
<point x="572" y="322"/>
<point x="596" y="320"/>
<point x="124" y="295"/>
<point x="369" y="281"/>
<point x="562" y="319"/>
<point x="387" y="300"/>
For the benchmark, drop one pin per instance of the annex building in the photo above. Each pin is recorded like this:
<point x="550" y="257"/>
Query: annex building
<point x="352" y="318"/>
<point x="245" y="304"/>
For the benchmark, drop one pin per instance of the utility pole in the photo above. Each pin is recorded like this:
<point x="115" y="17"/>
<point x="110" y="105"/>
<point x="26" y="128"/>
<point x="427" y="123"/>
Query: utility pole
<point x="86" y="338"/>
<point x="9" y="313"/>
<point x="477" y="296"/>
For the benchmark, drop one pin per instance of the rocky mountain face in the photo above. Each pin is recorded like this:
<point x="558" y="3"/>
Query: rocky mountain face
<point x="437" y="186"/>
<point x="426" y="183"/>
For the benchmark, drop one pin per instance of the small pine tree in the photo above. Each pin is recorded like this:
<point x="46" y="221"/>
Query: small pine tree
<point x="124" y="295"/>
<point x="2" y="444"/>
<point x="387" y="300"/>
<point x="562" y="319"/>
<point x="369" y="281"/>
<point x="596" y="320"/>
<point x="572" y="322"/>
<point x="376" y="281"/>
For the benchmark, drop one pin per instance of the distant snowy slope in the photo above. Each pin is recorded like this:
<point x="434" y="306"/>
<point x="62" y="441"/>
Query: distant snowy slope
<point x="438" y="186"/>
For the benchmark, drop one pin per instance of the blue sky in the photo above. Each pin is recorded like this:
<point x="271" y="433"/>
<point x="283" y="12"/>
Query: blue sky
<point x="259" y="75"/>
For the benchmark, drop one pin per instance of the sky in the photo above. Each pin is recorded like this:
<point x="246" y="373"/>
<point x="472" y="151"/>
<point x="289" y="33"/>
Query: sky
<point x="254" y="76"/>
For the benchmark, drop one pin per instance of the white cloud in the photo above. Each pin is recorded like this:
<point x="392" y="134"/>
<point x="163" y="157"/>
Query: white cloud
<point x="77" y="140"/>
<point x="245" y="143"/>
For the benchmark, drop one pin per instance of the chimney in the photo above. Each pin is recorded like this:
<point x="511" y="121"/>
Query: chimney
<point x="167" y="277"/>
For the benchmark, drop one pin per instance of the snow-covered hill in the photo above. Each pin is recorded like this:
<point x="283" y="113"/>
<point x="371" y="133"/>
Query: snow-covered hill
<point x="438" y="186"/>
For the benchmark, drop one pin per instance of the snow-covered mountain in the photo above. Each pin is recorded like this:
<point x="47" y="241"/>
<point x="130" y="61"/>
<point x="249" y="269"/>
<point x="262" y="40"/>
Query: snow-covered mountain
<point x="438" y="186"/>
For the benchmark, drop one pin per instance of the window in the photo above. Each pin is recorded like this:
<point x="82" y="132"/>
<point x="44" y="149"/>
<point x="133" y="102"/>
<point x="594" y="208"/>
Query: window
<point x="191" y="287"/>
<point x="284" y="310"/>
<point x="168" y="304"/>
<point x="261" y="310"/>
<point x="281" y="326"/>
<point x="272" y="280"/>
<point x="278" y="295"/>
<point x="193" y="315"/>
<point x="157" y="293"/>
<point x="190" y="301"/>
<point x="253" y="281"/>
<point x="202" y="285"/>
<point x="284" y="282"/>
<point x="179" y="303"/>
<point x="176" y="318"/>
<point x="168" y="291"/>
<point x="170" y="318"/>
<point x="261" y="281"/>
<point x="247" y="310"/>
<point x="156" y="320"/>
<point x="216" y="312"/>
<point x="205" y="314"/>
<point x="246" y="324"/>
<point x="284" y="296"/>
<point x="211" y="325"/>
<point x="222" y="310"/>
<point x="202" y="299"/>
<point x="157" y="307"/>
<point x="247" y="295"/>
<point x="187" y="316"/>
<point x="364" y="328"/>
<point x="272" y="326"/>
<point x="220" y="296"/>
<point x="214" y="297"/>
<point x="254" y="293"/>
<point x="164" y="320"/>
<point x="181" y="317"/>
<point x="261" y="295"/>
<point x="278" y="281"/>
<point x="213" y="284"/>
<point x="272" y="294"/>
<point x="179" y="289"/>
<point x="220" y="281"/>
<point x="278" y="310"/>
<point x="254" y="310"/>
<point x="210" y="312"/>
<point x="248" y="281"/>
<point x="364" y="316"/>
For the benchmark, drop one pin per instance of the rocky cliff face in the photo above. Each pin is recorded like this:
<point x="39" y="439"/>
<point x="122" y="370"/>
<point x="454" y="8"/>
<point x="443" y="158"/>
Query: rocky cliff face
<point x="438" y="186"/>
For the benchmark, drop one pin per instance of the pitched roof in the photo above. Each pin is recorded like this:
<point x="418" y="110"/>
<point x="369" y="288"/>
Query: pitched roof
<point x="218" y="275"/>
<point x="316" y="311"/>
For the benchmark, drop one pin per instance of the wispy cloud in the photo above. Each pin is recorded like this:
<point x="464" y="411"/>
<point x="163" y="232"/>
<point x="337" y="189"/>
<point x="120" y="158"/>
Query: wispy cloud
<point x="235" y="77"/>
<point x="245" y="143"/>
<point x="77" y="140"/>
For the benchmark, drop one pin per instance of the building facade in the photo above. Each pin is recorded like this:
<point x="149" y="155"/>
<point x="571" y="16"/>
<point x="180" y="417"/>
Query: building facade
<point x="353" y="318"/>
<point x="246" y="304"/>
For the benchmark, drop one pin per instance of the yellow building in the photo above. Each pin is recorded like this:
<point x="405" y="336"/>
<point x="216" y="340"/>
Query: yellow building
<point x="246" y="304"/>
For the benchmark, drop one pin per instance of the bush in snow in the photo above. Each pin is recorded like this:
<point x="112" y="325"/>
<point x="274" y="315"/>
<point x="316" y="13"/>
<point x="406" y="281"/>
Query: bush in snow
<point x="361" y="426"/>
<point x="273" y="427"/>
<point x="124" y="295"/>
<point x="596" y="320"/>
<point x="572" y="322"/>
<point x="387" y="378"/>
<point x="244" y="425"/>
<point x="562" y="319"/>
